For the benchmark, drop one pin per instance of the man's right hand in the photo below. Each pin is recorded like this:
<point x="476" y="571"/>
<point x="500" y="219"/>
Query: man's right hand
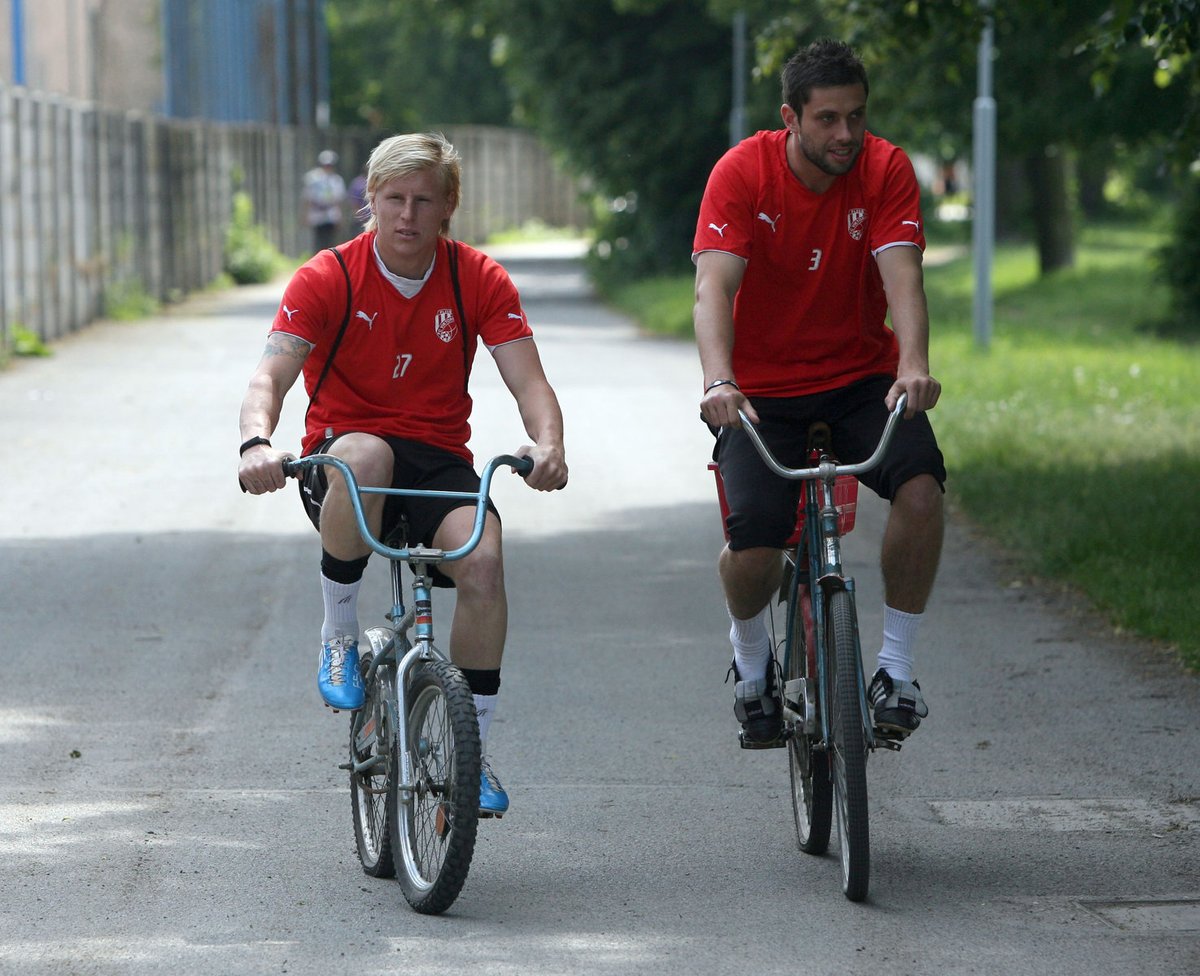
<point x="720" y="405"/>
<point x="261" y="469"/>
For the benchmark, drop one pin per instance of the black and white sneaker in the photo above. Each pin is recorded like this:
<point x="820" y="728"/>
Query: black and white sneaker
<point x="756" y="705"/>
<point x="899" y="706"/>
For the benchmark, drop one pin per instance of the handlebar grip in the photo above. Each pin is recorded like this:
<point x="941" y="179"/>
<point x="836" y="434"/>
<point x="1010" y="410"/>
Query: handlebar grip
<point x="523" y="466"/>
<point x="292" y="468"/>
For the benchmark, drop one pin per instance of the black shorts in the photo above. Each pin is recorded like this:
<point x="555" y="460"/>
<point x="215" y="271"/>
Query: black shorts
<point x="762" y="505"/>
<point x="407" y="520"/>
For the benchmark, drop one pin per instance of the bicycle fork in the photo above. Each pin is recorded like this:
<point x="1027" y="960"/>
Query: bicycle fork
<point x="800" y="695"/>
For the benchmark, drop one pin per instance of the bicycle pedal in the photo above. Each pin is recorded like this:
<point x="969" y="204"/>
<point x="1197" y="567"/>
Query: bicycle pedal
<point x="777" y="743"/>
<point x="890" y="738"/>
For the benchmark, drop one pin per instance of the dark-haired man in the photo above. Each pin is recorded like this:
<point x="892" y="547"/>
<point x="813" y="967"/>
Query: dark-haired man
<point x="808" y="237"/>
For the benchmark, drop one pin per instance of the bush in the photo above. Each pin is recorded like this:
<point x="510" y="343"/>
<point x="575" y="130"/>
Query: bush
<point x="1179" y="264"/>
<point x="26" y="342"/>
<point x="250" y="257"/>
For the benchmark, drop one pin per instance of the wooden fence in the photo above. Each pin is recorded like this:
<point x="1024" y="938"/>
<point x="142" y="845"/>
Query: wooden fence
<point x="98" y="205"/>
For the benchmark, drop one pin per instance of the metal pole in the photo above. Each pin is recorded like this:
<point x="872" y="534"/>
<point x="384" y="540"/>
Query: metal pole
<point x="737" y="115"/>
<point x="984" y="220"/>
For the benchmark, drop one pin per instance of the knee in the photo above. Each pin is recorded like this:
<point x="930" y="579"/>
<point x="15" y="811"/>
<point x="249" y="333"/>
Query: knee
<point x="480" y="576"/>
<point x="757" y="564"/>
<point x="920" y="500"/>
<point x="369" y="457"/>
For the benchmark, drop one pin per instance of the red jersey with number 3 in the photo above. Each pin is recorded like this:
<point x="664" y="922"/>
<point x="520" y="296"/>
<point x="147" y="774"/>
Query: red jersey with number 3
<point x="810" y="313"/>
<point x="401" y="368"/>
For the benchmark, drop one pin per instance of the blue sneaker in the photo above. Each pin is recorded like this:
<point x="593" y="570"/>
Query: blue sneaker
<point x="493" y="801"/>
<point x="338" y="679"/>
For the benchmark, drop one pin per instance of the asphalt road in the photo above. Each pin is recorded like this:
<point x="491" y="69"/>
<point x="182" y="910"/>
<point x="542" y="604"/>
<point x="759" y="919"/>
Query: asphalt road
<point x="169" y="797"/>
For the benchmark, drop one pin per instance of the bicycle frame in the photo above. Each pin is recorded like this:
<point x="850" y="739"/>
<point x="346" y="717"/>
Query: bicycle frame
<point x="418" y="617"/>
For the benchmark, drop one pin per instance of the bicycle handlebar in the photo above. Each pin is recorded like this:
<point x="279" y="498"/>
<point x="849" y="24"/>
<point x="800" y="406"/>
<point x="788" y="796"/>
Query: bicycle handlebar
<point x="521" y="465"/>
<point x="827" y="469"/>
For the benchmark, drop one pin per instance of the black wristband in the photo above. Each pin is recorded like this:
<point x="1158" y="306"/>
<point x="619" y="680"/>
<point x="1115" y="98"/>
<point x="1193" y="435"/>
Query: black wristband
<point x="253" y="442"/>
<point x="715" y="383"/>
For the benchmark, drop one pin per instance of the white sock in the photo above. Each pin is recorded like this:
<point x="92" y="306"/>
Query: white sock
<point x="341" y="609"/>
<point x="485" y="709"/>
<point x="751" y="645"/>
<point x="899" y="638"/>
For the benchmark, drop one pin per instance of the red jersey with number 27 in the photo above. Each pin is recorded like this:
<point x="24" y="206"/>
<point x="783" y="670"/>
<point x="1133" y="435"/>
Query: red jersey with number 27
<point x="400" y="370"/>
<point x="810" y="313"/>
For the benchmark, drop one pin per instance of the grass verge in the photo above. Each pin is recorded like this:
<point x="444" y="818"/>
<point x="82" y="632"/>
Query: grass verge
<point x="1074" y="439"/>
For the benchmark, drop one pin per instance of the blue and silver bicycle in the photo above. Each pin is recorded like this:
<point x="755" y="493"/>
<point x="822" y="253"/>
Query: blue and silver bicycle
<point x="414" y="745"/>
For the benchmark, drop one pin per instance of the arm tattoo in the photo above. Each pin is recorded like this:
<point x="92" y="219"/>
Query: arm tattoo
<point x="280" y="344"/>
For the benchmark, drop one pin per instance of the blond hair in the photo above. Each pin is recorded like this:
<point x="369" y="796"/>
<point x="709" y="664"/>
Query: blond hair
<point x="410" y="153"/>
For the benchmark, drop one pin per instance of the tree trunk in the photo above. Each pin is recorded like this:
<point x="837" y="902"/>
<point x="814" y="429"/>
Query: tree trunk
<point x="1052" y="219"/>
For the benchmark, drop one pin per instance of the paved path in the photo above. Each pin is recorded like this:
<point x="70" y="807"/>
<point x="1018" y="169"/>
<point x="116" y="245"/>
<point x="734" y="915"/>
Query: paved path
<point x="169" y="798"/>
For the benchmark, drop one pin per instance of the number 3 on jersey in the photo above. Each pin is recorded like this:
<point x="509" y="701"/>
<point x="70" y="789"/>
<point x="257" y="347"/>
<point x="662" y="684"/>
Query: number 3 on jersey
<point x="815" y="263"/>
<point x="402" y="363"/>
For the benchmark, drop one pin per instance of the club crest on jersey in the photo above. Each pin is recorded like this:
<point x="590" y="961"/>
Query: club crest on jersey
<point x="444" y="325"/>
<point x="856" y="219"/>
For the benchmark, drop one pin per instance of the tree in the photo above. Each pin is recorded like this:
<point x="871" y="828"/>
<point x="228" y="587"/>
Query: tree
<point x="1051" y="107"/>
<point x="1171" y="30"/>
<point x="412" y="66"/>
<point x="635" y="94"/>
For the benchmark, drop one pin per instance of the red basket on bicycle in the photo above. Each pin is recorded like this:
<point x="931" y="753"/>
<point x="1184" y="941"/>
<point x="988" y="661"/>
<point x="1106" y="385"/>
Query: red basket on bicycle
<point x="845" y="500"/>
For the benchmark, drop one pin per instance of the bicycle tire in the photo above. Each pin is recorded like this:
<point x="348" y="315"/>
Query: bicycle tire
<point x="848" y="746"/>
<point x="434" y="830"/>
<point x="373" y="792"/>
<point x="808" y="766"/>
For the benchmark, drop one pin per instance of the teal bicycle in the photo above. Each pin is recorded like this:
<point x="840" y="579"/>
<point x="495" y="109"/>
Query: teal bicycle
<point x="414" y="745"/>
<point x="828" y="725"/>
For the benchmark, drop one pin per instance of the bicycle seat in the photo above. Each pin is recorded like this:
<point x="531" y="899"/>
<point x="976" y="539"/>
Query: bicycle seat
<point x="397" y="536"/>
<point x="820" y="438"/>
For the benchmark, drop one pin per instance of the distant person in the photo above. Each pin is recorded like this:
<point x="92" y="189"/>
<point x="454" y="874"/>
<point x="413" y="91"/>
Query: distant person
<point x="324" y="197"/>
<point x="808" y="238"/>
<point x="395" y="408"/>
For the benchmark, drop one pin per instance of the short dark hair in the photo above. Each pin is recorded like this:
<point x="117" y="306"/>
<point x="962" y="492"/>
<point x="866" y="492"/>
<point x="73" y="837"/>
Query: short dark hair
<point x="823" y="64"/>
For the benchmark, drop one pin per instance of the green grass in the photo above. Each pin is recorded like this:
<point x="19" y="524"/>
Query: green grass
<point x="659" y="305"/>
<point x="1074" y="440"/>
<point x="533" y="230"/>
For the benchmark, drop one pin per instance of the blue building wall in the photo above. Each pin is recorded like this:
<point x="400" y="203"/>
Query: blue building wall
<point x="246" y="60"/>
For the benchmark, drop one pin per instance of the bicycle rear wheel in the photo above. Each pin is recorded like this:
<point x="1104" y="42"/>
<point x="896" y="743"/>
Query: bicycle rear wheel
<point x="812" y="794"/>
<point x="435" y="826"/>
<point x="373" y="790"/>
<point x="848" y="745"/>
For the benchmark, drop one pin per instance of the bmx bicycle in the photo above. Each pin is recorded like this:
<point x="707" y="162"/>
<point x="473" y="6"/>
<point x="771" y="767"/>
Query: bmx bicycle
<point x="414" y="744"/>
<point x="828" y="728"/>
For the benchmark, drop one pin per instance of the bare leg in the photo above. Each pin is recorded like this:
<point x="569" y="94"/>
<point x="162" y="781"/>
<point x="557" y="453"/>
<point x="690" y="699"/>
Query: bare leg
<point x="912" y="544"/>
<point x="750" y="577"/>
<point x="370" y="458"/>
<point x="481" y="613"/>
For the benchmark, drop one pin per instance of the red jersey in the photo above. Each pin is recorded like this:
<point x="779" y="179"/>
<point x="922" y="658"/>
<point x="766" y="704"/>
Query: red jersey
<point x="401" y="368"/>
<point x="810" y="313"/>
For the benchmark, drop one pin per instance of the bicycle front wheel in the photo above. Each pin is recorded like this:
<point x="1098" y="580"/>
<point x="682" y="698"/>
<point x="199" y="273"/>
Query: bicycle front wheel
<point x="436" y="814"/>
<point x="812" y="794"/>
<point x="372" y="773"/>
<point x="848" y="745"/>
